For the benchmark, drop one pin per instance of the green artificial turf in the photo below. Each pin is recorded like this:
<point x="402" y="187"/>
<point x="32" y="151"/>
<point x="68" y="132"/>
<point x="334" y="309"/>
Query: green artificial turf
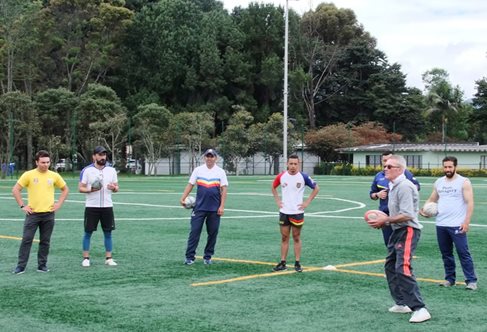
<point x="151" y="289"/>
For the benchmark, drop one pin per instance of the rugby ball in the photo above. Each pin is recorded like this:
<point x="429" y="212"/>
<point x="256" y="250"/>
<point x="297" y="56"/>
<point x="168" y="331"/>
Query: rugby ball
<point x="97" y="184"/>
<point x="189" y="202"/>
<point x="372" y="215"/>
<point x="430" y="209"/>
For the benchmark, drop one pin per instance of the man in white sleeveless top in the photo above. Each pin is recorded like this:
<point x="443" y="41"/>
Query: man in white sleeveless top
<point x="454" y="195"/>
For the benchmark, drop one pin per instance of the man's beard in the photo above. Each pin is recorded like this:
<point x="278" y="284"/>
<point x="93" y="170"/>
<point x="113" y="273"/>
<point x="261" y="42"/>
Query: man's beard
<point x="101" y="162"/>
<point x="450" y="174"/>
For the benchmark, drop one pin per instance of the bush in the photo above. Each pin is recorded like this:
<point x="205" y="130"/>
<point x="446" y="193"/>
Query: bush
<point x="330" y="168"/>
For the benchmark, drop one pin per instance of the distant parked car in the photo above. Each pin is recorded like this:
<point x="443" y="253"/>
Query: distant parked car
<point x="62" y="165"/>
<point x="134" y="166"/>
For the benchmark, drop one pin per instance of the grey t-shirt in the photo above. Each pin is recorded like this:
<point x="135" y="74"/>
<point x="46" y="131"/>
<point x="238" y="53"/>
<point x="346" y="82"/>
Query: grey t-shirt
<point x="404" y="199"/>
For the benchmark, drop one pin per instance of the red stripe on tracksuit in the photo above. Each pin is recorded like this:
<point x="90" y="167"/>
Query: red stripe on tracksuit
<point x="407" y="252"/>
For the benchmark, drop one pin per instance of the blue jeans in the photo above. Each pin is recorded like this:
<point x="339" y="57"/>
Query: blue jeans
<point x="447" y="237"/>
<point x="198" y="219"/>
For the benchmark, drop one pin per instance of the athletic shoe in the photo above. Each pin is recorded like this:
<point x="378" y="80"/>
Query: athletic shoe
<point x="400" y="309"/>
<point x="86" y="262"/>
<point x="280" y="267"/>
<point x="42" y="269"/>
<point x="298" y="267"/>
<point x="188" y="261"/>
<point x="110" y="262"/>
<point x="420" y="316"/>
<point x="207" y="261"/>
<point x="471" y="286"/>
<point x="446" y="283"/>
<point x="18" y="270"/>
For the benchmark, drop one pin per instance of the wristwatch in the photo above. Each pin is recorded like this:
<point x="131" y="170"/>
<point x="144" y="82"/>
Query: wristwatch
<point x="387" y="223"/>
<point x="22" y="206"/>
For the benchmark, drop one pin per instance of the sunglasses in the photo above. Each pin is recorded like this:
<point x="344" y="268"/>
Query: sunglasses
<point x="390" y="166"/>
<point x="210" y="156"/>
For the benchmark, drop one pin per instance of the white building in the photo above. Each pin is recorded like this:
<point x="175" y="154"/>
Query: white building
<point x="255" y="165"/>
<point x="469" y="155"/>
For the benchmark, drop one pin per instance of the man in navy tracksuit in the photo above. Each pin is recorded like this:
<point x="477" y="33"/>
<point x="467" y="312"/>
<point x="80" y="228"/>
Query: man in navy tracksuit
<point x="380" y="188"/>
<point x="212" y="183"/>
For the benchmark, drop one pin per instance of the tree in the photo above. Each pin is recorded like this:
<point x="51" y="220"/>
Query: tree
<point x="373" y="133"/>
<point x="15" y="19"/>
<point x="18" y="124"/>
<point x="443" y="99"/>
<point x="326" y="140"/>
<point x="193" y="130"/>
<point x="235" y="142"/>
<point x="266" y="137"/>
<point x="326" y="34"/>
<point x="402" y="114"/>
<point x="479" y="113"/>
<point x="101" y="120"/>
<point x="56" y="110"/>
<point x="150" y="127"/>
<point x="263" y="31"/>
<point x="82" y="41"/>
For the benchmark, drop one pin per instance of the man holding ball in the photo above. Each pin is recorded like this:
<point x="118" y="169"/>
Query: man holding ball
<point x="98" y="181"/>
<point x="454" y="195"/>
<point x="212" y="184"/>
<point x="406" y="230"/>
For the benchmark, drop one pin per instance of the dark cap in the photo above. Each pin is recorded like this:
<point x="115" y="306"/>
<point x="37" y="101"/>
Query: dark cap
<point x="99" y="149"/>
<point x="210" y="151"/>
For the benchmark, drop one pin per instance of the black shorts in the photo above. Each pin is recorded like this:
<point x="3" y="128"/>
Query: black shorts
<point x="93" y="215"/>
<point x="295" y="220"/>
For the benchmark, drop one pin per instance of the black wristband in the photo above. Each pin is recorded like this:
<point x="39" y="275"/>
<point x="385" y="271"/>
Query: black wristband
<point x="22" y="206"/>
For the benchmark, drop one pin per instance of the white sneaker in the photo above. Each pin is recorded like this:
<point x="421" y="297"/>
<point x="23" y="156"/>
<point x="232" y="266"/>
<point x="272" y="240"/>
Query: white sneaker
<point x="85" y="262"/>
<point x="420" y="316"/>
<point x="400" y="309"/>
<point x="110" y="262"/>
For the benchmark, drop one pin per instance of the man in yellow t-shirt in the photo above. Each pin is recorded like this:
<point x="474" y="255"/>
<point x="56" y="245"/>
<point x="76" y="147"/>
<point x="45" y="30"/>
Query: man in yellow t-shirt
<point x="40" y="183"/>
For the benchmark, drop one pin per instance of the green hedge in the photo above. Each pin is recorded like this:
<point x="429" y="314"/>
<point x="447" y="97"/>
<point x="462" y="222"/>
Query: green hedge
<point x="330" y="168"/>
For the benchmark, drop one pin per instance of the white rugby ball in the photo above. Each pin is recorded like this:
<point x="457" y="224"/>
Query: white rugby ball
<point x="97" y="184"/>
<point x="189" y="202"/>
<point x="430" y="209"/>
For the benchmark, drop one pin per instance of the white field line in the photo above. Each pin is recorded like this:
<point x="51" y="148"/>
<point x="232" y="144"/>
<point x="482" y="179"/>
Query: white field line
<point x="260" y="214"/>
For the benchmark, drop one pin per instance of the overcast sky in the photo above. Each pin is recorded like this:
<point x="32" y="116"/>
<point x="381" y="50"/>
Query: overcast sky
<point x="419" y="35"/>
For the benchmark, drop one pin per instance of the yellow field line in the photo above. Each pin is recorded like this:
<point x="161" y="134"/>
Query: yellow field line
<point x="305" y="269"/>
<point x="361" y="263"/>
<point x="239" y="261"/>
<point x="253" y="276"/>
<point x="382" y="275"/>
<point x="13" y="238"/>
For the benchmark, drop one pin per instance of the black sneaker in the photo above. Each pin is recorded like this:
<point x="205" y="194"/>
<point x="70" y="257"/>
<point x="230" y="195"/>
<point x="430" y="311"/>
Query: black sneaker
<point x="280" y="267"/>
<point x="42" y="269"/>
<point x="297" y="267"/>
<point x="18" y="270"/>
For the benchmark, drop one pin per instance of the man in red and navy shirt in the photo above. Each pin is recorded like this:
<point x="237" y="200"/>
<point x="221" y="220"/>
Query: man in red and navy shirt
<point x="291" y="208"/>
<point x="211" y="194"/>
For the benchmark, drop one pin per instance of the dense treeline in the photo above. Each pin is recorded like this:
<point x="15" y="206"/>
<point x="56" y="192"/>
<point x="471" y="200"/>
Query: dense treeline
<point x="160" y="76"/>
